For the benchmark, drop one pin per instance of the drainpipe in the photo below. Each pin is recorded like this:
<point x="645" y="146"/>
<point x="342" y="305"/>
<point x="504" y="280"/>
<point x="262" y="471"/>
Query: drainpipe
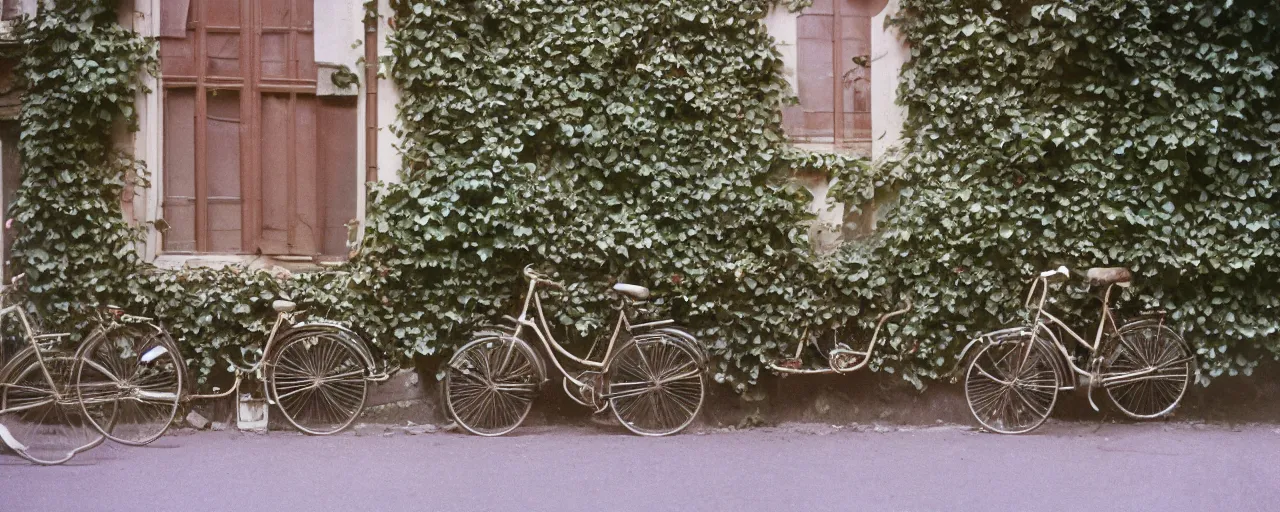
<point x="371" y="99"/>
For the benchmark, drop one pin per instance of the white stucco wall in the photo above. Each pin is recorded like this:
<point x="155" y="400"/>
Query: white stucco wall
<point x="339" y="42"/>
<point x="388" y="97"/>
<point x="888" y="54"/>
<point x="781" y="24"/>
<point x="149" y="139"/>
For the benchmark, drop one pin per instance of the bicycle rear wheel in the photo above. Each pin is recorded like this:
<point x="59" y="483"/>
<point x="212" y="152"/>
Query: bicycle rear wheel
<point x="318" y="381"/>
<point x="44" y="422"/>
<point x="656" y="384"/>
<point x="1012" y="384"/>
<point x="1147" y="371"/>
<point x="129" y="383"/>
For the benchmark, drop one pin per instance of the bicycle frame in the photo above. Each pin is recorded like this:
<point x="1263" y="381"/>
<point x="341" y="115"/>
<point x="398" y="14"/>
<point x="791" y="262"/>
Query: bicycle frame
<point x="1106" y="319"/>
<point x="1042" y="320"/>
<point x="554" y="349"/>
<point x="285" y="320"/>
<point x="281" y="318"/>
<point x="33" y="339"/>
<point x="864" y="356"/>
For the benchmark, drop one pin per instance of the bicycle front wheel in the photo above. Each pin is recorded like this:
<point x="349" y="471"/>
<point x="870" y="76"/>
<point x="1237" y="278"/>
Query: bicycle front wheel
<point x="490" y="384"/>
<point x="318" y="381"/>
<point x="129" y="383"/>
<point x="1012" y="384"/>
<point x="1147" y="371"/>
<point x="656" y="384"/>
<point x="44" y="423"/>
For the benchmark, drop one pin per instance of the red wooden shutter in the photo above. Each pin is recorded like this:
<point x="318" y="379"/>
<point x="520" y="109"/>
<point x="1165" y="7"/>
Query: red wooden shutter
<point x="254" y="161"/>
<point x="856" y="73"/>
<point x="822" y="66"/>
<point x="180" y="170"/>
<point x="814" y="117"/>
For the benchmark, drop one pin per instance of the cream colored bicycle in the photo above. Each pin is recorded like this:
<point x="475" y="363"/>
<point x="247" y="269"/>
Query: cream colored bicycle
<point x="316" y="372"/>
<point x="650" y="374"/>
<point x="1013" y="380"/>
<point x="122" y="383"/>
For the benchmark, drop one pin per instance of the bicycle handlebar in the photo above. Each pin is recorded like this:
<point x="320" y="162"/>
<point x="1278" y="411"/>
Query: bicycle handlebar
<point x="1057" y="275"/>
<point x="533" y="275"/>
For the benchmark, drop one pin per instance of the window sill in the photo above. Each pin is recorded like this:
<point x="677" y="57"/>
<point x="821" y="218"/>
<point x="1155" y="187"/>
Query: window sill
<point x="251" y="261"/>
<point x="848" y="147"/>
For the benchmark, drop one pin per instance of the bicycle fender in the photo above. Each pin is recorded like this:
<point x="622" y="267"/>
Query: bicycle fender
<point x="11" y="441"/>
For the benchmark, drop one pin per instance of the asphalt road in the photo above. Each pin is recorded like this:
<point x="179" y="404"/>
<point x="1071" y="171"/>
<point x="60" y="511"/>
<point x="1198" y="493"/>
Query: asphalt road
<point x="1071" y="466"/>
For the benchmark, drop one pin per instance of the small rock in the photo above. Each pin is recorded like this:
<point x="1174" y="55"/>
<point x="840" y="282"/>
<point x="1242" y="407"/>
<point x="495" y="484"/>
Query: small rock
<point x="415" y="430"/>
<point x="822" y="405"/>
<point x="219" y="426"/>
<point x="196" y="421"/>
<point x="452" y="426"/>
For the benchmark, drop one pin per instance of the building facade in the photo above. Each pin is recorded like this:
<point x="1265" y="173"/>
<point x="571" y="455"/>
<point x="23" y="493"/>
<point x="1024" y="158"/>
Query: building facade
<point x="264" y="124"/>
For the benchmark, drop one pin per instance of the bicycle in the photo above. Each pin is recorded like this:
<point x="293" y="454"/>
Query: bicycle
<point x="316" y="373"/>
<point x="654" y="382"/>
<point x="1013" y="381"/>
<point x="840" y="357"/>
<point x="129" y="378"/>
<point x="44" y="416"/>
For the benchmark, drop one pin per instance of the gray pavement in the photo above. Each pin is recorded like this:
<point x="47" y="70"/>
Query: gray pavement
<point x="1063" y="466"/>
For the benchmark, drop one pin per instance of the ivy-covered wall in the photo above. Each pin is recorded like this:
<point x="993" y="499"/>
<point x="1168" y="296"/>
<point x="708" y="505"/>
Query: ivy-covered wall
<point x="602" y="141"/>
<point x="640" y="141"/>
<point x="1140" y="133"/>
<point x="628" y="141"/>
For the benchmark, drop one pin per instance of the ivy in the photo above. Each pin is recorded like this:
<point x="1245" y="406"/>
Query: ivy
<point x="641" y="141"/>
<point x="629" y="141"/>
<point x="82" y="71"/>
<point x="1090" y="133"/>
<point x="633" y="141"/>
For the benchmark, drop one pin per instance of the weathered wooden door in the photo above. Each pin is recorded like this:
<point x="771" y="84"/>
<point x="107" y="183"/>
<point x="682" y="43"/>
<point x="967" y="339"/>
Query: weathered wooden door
<point x="254" y="161"/>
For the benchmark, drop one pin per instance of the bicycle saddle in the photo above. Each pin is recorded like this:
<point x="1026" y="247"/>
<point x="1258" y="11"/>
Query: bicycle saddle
<point x="1106" y="276"/>
<point x="631" y="290"/>
<point x="283" y="306"/>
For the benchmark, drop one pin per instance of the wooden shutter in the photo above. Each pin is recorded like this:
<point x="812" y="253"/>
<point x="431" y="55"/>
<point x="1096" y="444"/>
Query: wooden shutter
<point x="814" y="72"/>
<point x="824" y="67"/>
<point x="856" y="72"/>
<point x="249" y="148"/>
<point x="338" y="123"/>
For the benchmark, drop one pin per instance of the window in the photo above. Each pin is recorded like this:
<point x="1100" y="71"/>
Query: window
<point x="254" y="161"/>
<point x="833" y="73"/>
<point x="11" y="9"/>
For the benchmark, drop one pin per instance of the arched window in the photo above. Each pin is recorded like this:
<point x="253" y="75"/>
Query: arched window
<point x="833" y="72"/>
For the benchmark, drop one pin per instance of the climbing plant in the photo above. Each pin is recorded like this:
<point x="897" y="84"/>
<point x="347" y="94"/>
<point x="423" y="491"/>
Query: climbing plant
<point x="602" y="141"/>
<point x="641" y="141"/>
<point x="82" y="72"/>
<point x="1090" y="133"/>
<point x="636" y="142"/>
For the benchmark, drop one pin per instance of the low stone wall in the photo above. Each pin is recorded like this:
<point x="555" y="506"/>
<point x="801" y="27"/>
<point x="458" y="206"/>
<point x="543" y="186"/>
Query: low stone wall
<point x="413" y="398"/>
<point x="860" y="398"/>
